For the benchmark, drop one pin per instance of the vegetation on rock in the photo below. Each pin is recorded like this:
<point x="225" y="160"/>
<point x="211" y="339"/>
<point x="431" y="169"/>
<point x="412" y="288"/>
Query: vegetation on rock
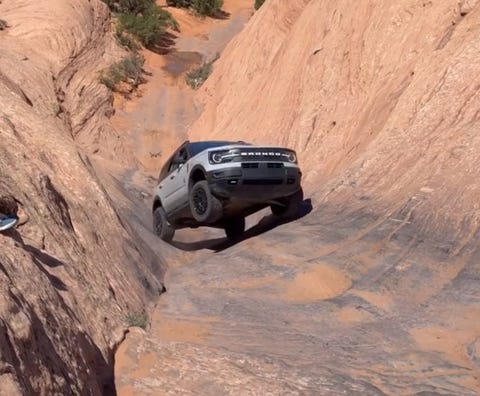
<point x="129" y="6"/>
<point x="198" y="76"/>
<point x="202" y="7"/>
<point x="149" y="27"/>
<point x="141" y="20"/>
<point x="129" y="70"/>
<point x="137" y="320"/>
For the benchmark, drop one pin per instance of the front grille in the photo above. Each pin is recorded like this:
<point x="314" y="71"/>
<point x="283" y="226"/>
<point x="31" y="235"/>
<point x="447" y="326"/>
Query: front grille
<point x="262" y="154"/>
<point x="276" y="165"/>
<point x="250" y="165"/>
<point x="261" y="158"/>
<point x="262" y="182"/>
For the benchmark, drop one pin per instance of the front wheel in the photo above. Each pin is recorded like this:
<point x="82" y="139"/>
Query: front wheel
<point x="205" y="207"/>
<point x="235" y="228"/>
<point x="160" y="225"/>
<point x="289" y="207"/>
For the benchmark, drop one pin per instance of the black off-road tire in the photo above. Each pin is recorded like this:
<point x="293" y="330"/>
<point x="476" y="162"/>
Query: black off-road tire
<point x="290" y="207"/>
<point x="160" y="225"/>
<point x="205" y="207"/>
<point x="234" y="228"/>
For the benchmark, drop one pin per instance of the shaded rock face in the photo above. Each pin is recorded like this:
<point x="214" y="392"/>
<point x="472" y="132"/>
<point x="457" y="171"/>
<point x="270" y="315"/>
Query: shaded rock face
<point x="380" y="99"/>
<point x="71" y="274"/>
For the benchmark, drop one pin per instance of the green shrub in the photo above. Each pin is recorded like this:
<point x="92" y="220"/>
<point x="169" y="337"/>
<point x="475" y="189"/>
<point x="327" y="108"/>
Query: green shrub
<point x="3" y="24"/>
<point x="148" y="27"/>
<point x="259" y="3"/>
<point x="179" y="3"/>
<point x="143" y="19"/>
<point x="202" y="7"/>
<point x="128" y="70"/>
<point x="198" y="76"/>
<point x="137" y="320"/>
<point x="207" y="7"/>
<point x="126" y="40"/>
<point x="129" y="6"/>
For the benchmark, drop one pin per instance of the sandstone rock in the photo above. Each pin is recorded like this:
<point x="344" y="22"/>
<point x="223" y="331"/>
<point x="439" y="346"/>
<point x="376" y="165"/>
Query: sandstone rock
<point x="370" y="96"/>
<point x="70" y="274"/>
<point x="474" y="351"/>
<point x="10" y="386"/>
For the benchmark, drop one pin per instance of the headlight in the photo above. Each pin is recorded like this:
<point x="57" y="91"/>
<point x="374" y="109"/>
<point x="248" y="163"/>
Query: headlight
<point x="292" y="157"/>
<point x="218" y="157"/>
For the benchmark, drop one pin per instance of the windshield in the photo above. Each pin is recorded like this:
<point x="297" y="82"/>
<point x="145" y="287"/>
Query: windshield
<point x="197" y="147"/>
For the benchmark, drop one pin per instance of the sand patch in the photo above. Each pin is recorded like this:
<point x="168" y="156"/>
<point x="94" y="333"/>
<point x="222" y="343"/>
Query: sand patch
<point x="319" y="283"/>
<point x="182" y="331"/>
<point x="351" y="315"/>
<point x="452" y="343"/>
<point x="145" y="365"/>
<point x="127" y="390"/>
<point x="254" y="283"/>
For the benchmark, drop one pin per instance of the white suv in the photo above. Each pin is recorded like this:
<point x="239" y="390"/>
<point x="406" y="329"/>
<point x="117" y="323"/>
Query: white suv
<point x="219" y="183"/>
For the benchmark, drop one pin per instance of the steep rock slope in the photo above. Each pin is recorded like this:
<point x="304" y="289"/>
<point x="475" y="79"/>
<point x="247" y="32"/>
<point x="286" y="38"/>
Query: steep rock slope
<point x="380" y="99"/>
<point x="71" y="274"/>
<point x="375" y="290"/>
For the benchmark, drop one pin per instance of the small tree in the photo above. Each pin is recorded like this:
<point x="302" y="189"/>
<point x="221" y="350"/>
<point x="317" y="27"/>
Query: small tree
<point x="130" y="6"/>
<point x="179" y="3"/>
<point x="150" y="26"/>
<point x="3" y="24"/>
<point x="126" y="39"/>
<point x="202" y="7"/>
<point x="207" y="7"/>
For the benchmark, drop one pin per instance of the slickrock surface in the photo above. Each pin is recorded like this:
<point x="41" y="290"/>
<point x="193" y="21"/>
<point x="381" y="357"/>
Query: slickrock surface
<point x="75" y="270"/>
<point x="374" y="290"/>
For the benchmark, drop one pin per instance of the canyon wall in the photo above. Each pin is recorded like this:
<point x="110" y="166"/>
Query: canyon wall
<point x="75" y="270"/>
<point x="380" y="99"/>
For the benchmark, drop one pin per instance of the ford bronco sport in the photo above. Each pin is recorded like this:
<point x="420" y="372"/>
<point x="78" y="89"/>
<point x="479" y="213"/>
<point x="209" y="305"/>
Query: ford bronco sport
<point x="219" y="183"/>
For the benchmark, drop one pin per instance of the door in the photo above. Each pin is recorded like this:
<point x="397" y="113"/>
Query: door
<point x="173" y="186"/>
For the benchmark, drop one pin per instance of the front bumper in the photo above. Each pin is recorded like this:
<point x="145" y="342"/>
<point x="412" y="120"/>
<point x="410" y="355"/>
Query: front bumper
<point x="255" y="182"/>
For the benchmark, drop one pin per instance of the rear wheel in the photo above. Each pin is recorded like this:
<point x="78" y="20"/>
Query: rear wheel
<point x="289" y="207"/>
<point x="235" y="228"/>
<point x="205" y="207"/>
<point x="160" y="225"/>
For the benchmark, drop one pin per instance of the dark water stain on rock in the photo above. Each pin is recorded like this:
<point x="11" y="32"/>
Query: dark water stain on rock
<point x="178" y="62"/>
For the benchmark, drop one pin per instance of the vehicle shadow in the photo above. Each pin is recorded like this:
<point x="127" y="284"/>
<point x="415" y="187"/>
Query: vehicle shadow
<point x="266" y="224"/>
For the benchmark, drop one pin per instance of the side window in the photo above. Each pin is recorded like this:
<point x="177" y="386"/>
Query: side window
<point x="173" y="166"/>
<point x="178" y="159"/>
<point x="183" y="155"/>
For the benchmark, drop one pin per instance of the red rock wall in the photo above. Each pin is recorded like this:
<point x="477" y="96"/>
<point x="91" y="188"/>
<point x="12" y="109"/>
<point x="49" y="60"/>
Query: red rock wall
<point x="72" y="273"/>
<point x="379" y="98"/>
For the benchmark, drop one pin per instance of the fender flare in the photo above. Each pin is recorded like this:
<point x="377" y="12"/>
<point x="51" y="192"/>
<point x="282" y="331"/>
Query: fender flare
<point x="192" y="177"/>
